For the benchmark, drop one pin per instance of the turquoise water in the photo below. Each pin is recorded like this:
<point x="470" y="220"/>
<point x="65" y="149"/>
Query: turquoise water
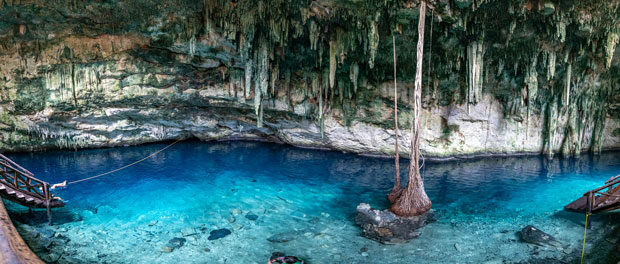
<point x="194" y="188"/>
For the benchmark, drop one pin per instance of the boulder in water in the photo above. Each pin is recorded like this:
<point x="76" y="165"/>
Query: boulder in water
<point x="533" y="235"/>
<point x="388" y="228"/>
<point x="219" y="233"/>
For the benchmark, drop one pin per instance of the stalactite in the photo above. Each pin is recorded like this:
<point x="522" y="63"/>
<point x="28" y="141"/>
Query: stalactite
<point x="569" y="71"/>
<point x="321" y="120"/>
<point x="314" y="35"/>
<point x="610" y="47"/>
<point x="475" y="54"/>
<point x="354" y="75"/>
<point x="531" y="81"/>
<point x="262" y="78"/>
<point x="192" y="46"/>
<point x="560" y="31"/>
<point x="373" y="40"/>
<point x="249" y="68"/>
<point x="551" y="65"/>
<point x="287" y="84"/>
<point x="333" y="63"/>
<point x="275" y="72"/>
<point x="551" y="125"/>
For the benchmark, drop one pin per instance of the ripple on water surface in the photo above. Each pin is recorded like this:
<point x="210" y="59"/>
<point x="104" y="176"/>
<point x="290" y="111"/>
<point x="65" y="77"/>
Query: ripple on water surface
<point x="267" y="193"/>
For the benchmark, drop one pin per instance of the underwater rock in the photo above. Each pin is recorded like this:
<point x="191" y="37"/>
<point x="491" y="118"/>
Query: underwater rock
<point x="176" y="242"/>
<point x="388" y="228"/>
<point x="235" y="211"/>
<point x="283" y="237"/>
<point x="533" y="235"/>
<point x="219" y="233"/>
<point x="46" y="232"/>
<point x="251" y="216"/>
<point x="51" y="257"/>
<point x="231" y="219"/>
<point x="167" y="249"/>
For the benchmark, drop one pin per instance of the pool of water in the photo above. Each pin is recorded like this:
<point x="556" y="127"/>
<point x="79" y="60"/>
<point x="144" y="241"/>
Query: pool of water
<point x="195" y="187"/>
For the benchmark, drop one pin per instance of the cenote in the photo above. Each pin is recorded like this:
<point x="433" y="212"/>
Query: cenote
<point x="303" y="203"/>
<point x="270" y="131"/>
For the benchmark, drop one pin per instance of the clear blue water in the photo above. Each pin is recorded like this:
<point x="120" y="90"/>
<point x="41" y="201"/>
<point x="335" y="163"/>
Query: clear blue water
<point x="196" y="187"/>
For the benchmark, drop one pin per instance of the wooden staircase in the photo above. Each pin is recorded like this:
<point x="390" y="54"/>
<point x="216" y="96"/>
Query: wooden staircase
<point x="598" y="200"/>
<point x="20" y="186"/>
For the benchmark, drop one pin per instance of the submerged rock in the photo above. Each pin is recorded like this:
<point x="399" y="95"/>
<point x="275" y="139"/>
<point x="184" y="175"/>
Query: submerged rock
<point x="219" y="233"/>
<point x="176" y="242"/>
<point x="533" y="235"/>
<point x="388" y="228"/>
<point x="251" y="216"/>
<point x="235" y="211"/>
<point x="167" y="249"/>
<point x="283" y="237"/>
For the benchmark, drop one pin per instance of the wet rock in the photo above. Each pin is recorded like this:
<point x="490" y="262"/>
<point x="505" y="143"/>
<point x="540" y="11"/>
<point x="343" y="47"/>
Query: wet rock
<point x="251" y="216"/>
<point x="219" y="233"/>
<point x="533" y="235"/>
<point x="388" y="228"/>
<point x="283" y="237"/>
<point x="364" y="254"/>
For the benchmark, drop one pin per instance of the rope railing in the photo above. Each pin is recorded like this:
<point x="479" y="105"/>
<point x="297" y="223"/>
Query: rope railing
<point x="65" y="183"/>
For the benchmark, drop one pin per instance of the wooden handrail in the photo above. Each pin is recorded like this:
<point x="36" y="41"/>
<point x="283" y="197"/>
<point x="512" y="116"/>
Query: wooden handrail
<point x="609" y="184"/>
<point x="25" y="171"/>
<point x="612" y="179"/>
<point x="21" y="180"/>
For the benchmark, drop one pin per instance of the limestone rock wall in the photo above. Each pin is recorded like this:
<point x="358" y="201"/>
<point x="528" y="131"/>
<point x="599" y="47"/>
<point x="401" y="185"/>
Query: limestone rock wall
<point x="78" y="74"/>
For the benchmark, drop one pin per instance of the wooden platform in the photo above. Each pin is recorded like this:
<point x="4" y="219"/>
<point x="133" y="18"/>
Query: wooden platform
<point x="13" y="249"/>
<point x="598" y="200"/>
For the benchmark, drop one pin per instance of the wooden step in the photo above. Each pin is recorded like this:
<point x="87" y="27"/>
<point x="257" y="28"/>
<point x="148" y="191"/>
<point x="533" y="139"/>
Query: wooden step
<point x="29" y="199"/>
<point x="20" y="196"/>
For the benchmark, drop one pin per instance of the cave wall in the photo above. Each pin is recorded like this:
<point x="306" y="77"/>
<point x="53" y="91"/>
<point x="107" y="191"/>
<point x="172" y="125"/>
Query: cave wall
<point x="500" y="76"/>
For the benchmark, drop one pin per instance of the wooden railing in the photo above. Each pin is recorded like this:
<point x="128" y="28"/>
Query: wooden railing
<point x="21" y="180"/>
<point x="613" y="192"/>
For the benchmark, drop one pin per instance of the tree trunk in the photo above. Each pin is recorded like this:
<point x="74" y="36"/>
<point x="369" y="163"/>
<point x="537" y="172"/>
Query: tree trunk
<point x="413" y="200"/>
<point x="398" y="188"/>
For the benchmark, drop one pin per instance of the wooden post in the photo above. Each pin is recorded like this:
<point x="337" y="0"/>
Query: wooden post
<point x="589" y="208"/>
<point x="47" y="203"/>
